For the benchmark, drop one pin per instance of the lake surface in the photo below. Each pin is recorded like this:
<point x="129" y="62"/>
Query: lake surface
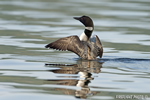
<point x="26" y="26"/>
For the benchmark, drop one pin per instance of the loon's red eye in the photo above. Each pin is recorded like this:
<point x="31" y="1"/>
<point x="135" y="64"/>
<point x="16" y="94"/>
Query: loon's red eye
<point x="82" y="20"/>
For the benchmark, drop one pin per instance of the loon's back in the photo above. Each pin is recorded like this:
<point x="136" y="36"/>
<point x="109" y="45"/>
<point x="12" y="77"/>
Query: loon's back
<point x="92" y="49"/>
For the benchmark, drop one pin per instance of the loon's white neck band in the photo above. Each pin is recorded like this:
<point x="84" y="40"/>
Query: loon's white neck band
<point x="89" y="28"/>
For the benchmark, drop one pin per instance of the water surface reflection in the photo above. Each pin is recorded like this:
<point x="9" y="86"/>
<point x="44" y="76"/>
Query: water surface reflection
<point x="85" y="69"/>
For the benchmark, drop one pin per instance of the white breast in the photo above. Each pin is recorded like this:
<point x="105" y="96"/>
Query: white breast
<point x="83" y="37"/>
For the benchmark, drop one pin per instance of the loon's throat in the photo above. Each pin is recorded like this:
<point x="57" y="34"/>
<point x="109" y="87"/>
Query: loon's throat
<point x="85" y="36"/>
<point x="88" y="33"/>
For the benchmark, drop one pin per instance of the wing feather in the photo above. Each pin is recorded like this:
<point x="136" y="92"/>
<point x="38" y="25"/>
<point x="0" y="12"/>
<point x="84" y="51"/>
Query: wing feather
<point x="99" y="44"/>
<point x="71" y="43"/>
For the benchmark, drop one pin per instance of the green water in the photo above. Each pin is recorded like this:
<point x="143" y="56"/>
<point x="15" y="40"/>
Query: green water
<point x="26" y="26"/>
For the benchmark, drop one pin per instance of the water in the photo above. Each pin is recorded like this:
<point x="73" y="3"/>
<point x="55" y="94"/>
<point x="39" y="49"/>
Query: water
<point x="26" y="26"/>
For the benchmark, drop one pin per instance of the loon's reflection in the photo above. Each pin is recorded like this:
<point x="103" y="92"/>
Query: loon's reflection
<point x="85" y="69"/>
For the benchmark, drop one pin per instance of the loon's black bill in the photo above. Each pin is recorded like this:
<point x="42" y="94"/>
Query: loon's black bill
<point x="77" y="18"/>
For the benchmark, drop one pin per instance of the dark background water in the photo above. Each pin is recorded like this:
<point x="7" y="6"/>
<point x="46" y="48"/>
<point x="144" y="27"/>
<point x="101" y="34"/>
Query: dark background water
<point x="26" y="26"/>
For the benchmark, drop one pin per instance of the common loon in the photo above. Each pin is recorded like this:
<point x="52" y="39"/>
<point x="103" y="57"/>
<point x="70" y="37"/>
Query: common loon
<point x="85" y="46"/>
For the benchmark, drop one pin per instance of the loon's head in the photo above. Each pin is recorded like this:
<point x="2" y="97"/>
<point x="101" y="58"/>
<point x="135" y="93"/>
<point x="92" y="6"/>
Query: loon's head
<point x="86" y="21"/>
<point x="89" y="27"/>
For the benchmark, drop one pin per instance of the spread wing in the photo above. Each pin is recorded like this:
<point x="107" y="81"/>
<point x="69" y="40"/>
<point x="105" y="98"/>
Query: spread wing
<point x="71" y="43"/>
<point x="99" y="44"/>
